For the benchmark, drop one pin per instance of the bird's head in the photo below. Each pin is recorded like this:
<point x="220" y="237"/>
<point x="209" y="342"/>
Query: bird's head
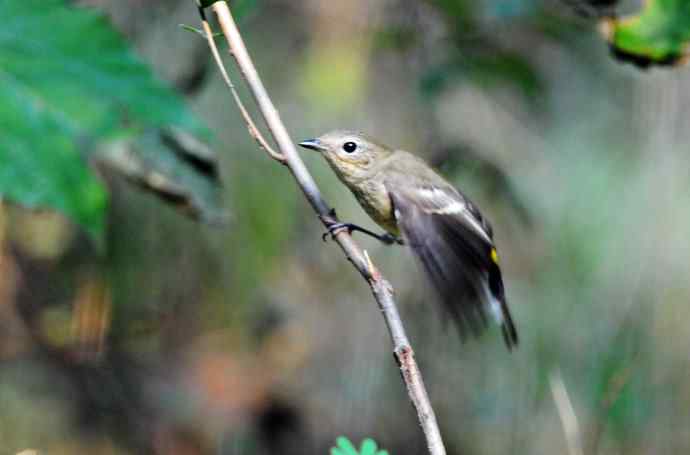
<point x="349" y="153"/>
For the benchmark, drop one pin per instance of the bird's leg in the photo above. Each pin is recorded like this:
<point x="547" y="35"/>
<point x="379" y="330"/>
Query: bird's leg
<point x="335" y="226"/>
<point x="386" y="237"/>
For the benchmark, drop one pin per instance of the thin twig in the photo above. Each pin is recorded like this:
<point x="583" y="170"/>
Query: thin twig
<point x="566" y="412"/>
<point x="251" y="126"/>
<point x="380" y="287"/>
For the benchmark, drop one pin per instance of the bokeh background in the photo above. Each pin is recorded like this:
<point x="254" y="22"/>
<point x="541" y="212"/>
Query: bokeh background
<point x="257" y="337"/>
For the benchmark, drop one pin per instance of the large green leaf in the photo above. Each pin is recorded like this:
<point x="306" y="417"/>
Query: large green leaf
<point x="68" y="80"/>
<point x="659" y="34"/>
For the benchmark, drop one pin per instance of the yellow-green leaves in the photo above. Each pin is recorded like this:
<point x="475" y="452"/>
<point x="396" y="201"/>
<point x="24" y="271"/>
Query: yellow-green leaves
<point x="659" y="34"/>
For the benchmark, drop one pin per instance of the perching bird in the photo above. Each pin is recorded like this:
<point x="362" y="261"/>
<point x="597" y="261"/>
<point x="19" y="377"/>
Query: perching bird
<point x="450" y="238"/>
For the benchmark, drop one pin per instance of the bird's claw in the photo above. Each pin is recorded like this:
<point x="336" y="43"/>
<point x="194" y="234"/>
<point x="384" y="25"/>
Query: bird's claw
<point x="334" y="228"/>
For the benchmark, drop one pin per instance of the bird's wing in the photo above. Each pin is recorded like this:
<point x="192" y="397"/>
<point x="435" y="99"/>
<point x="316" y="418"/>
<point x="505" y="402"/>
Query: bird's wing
<point x="454" y="244"/>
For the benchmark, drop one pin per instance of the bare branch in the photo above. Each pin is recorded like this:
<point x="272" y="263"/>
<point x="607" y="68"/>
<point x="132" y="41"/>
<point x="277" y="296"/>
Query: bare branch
<point x="381" y="288"/>
<point x="251" y="126"/>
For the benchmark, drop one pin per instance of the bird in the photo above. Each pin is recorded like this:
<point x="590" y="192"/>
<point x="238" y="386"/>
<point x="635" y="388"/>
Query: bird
<point x="419" y="208"/>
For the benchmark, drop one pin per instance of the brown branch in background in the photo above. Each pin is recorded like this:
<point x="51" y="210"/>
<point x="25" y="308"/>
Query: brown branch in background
<point x="381" y="288"/>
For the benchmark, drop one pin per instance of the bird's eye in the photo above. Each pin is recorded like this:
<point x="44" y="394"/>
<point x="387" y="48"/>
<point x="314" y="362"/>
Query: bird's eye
<point x="349" y="147"/>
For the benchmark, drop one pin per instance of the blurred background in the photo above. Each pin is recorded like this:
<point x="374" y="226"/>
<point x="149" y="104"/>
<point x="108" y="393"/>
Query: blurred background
<point x="256" y="337"/>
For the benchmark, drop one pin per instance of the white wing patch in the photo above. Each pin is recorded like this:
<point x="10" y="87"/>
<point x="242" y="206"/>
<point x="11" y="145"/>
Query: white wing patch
<point x="446" y="204"/>
<point x="451" y="209"/>
<point x="494" y="306"/>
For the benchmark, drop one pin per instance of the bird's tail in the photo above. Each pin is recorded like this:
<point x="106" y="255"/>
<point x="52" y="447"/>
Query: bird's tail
<point x="499" y="307"/>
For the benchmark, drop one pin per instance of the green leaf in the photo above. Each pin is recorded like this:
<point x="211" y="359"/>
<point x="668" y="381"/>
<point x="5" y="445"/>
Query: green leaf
<point x="68" y="79"/>
<point x="368" y="447"/>
<point x="345" y="447"/>
<point x="659" y="34"/>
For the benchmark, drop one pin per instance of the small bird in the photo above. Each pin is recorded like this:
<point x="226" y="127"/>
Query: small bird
<point x="447" y="234"/>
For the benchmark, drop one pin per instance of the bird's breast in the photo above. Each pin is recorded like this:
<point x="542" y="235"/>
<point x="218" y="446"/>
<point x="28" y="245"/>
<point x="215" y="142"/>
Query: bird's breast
<point x="374" y="198"/>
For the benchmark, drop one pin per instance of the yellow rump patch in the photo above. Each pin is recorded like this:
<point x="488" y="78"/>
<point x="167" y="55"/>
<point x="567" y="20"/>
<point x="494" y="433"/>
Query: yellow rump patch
<point x="494" y="255"/>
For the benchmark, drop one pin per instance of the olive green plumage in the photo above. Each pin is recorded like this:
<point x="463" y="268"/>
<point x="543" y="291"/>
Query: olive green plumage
<point x="448" y="235"/>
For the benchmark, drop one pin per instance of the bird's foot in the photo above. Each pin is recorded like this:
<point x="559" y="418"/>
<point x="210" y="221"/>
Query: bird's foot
<point x="334" y="227"/>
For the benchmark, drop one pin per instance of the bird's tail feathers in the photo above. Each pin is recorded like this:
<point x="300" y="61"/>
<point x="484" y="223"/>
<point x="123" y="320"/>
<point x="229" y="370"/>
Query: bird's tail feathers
<point x="499" y="307"/>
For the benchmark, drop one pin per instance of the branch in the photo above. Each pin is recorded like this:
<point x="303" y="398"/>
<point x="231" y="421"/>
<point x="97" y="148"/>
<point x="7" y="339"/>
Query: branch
<point x="380" y="287"/>
<point x="253" y="130"/>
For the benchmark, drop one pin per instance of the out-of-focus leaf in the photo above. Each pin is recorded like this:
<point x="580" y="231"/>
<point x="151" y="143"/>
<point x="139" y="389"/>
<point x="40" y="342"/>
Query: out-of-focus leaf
<point x="487" y="70"/>
<point x="659" y="34"/>
<point x="394" y="38"/>
<point x="173" y="165"/>
<point x="460" y="13"/>
<point x="242" y="8"/>
<point x="335" y="68"/>
<point x="66" y="75"/>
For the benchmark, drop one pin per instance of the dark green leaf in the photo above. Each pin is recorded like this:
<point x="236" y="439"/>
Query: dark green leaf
<point x="67" y="79"/>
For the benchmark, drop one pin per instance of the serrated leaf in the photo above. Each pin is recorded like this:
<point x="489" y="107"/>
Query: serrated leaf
<point x="659" y="34"/>
<point x="67" y="78"/>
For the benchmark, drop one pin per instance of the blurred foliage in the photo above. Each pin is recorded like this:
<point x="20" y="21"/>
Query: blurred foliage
<point x="489" y="70"/>
<point x="478" y="54"/>
<point x="173" y="165"/>
<point x="62" y="94"/>
<point x="659" y="34"/>
<point x="259" y="338"/>
<point x="345" y="447"/>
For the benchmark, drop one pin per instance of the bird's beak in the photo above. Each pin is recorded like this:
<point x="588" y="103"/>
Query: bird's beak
<point x="313" y="144"/>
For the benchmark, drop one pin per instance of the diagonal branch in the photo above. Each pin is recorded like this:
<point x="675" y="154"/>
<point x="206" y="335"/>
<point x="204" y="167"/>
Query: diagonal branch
<point x="380" y="287"/>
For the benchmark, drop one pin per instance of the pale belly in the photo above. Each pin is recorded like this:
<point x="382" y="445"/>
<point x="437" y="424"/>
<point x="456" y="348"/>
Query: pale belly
<point x="374" y="198"/>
